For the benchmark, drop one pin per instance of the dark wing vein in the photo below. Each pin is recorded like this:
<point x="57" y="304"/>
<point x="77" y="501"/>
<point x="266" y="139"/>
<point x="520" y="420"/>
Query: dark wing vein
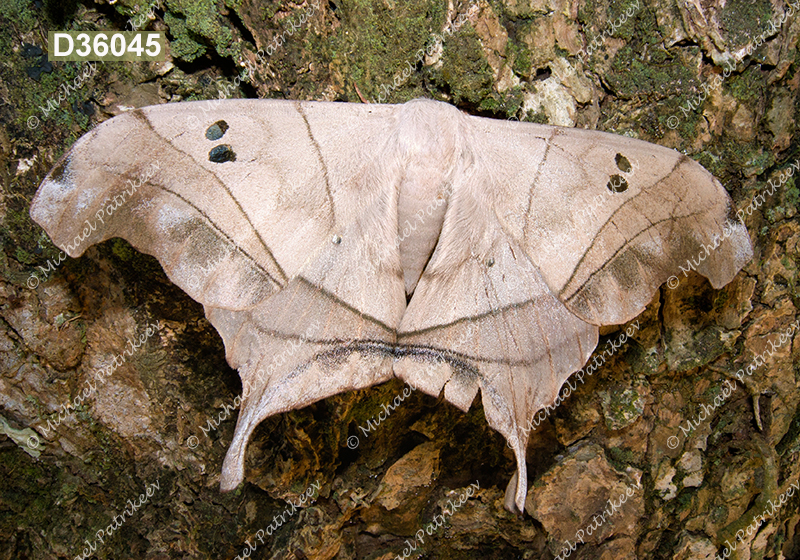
<point x="221" y="183"/>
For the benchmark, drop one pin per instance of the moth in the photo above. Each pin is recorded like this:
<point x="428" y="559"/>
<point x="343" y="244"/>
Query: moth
<point x="457" y="253"/>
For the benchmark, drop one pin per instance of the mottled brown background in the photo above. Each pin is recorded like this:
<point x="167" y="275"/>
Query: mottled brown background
<point x="508" y="61"/>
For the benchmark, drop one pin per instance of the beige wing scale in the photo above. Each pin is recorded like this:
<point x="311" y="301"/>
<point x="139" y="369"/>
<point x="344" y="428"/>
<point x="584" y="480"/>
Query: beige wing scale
<point x="605" y="253"/>
<point x="268" y="239"/>
<point x="549" y="234"/>
<point x="541" y="243"/>
<point x="495" y="328"/>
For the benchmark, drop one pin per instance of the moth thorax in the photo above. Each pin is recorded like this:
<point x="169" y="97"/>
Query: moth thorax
<point x="427" y="143"/>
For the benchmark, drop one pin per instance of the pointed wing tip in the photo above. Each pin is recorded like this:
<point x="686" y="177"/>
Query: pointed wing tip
<point x="50" y="203"/>
<point x="737" y="253"/>
<point x="226" y="485"/>
<point x="509" y="501"/>
<point x="517" y="489"/>
<point x="522" y="495"/>
<point x="515" y="496"/>
<point x="232" y="472"/>
<point x="741" y="241"/>
<point x="233" y="467"/>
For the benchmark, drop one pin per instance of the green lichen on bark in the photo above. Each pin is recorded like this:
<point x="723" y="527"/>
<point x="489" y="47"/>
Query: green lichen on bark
<point x="197" y="25"/>
<point x="742" y="20"/>
<point x="378" y="42"/>
<point x="465" y="71"/>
